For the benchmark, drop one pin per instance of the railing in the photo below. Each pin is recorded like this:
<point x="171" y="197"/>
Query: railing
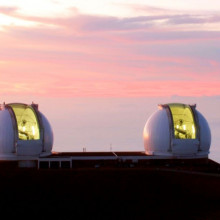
<point x="54" y="163"/>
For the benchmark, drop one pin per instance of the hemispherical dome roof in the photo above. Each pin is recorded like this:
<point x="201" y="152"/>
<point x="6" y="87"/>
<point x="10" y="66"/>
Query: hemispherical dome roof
<point x="24" y="131"/>
<point x="177" y="130"/>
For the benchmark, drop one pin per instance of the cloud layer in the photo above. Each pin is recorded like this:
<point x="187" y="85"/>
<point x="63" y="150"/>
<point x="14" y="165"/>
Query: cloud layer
<point x="162" y="54"/>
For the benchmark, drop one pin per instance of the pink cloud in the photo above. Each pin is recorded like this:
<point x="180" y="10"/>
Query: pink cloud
<point x="8" y="10"/>
<point x="88" y="56"/>
<point x="61" y="88"/>
<point x="94" y="23"/>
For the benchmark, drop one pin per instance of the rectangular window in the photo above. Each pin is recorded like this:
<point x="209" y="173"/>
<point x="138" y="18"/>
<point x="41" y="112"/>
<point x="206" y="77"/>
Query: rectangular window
<point x="28" y="127"/>
<point x="183" y="121"/>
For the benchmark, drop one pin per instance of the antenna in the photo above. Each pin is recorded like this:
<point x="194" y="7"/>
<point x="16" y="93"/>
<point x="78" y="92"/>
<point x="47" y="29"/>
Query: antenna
<point x="34" y="105"/>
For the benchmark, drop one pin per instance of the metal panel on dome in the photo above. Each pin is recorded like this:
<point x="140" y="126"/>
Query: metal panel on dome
<point x="184" y="126"/>
<point x="27" y="122"/>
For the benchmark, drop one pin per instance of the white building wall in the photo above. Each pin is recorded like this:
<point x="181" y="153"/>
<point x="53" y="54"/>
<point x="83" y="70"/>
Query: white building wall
<point x="205" y="133"/>
<point x="156" y="134"/>
<point x="48" y="134"/>
<point x="6" y="133"/>
<point x="9" y="147"/>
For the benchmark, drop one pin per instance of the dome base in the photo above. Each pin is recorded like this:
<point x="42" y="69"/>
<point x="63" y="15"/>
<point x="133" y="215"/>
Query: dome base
<point x="177" y="156"/>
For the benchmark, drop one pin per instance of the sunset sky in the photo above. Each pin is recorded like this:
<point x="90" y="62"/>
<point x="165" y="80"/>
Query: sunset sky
<point x="98" y="69"/>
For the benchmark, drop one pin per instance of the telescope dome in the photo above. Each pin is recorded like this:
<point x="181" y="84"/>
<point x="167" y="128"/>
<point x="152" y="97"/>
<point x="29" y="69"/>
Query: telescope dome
<point x="24" y="131"/>
<point x="177" y="130"/>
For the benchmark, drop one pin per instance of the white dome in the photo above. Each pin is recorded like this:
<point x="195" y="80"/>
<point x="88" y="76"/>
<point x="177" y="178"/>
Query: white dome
<point x="24" y="131"/>
<point x="177" y="130"/>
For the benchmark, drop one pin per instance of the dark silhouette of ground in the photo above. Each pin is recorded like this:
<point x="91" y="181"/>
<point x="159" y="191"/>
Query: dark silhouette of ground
<point x="109" y="193"/>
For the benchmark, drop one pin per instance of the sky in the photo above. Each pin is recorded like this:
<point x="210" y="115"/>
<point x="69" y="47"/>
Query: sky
<point x="98" y="69"/>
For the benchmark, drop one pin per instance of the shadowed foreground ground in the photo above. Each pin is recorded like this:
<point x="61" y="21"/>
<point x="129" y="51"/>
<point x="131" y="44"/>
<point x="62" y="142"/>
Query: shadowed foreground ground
<point x="104" y="193"/>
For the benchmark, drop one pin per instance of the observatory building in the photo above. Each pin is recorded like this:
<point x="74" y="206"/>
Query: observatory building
<point x="178" y="131"/>
<point x="174" y="131"/>
<point x="24" y="132"/>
